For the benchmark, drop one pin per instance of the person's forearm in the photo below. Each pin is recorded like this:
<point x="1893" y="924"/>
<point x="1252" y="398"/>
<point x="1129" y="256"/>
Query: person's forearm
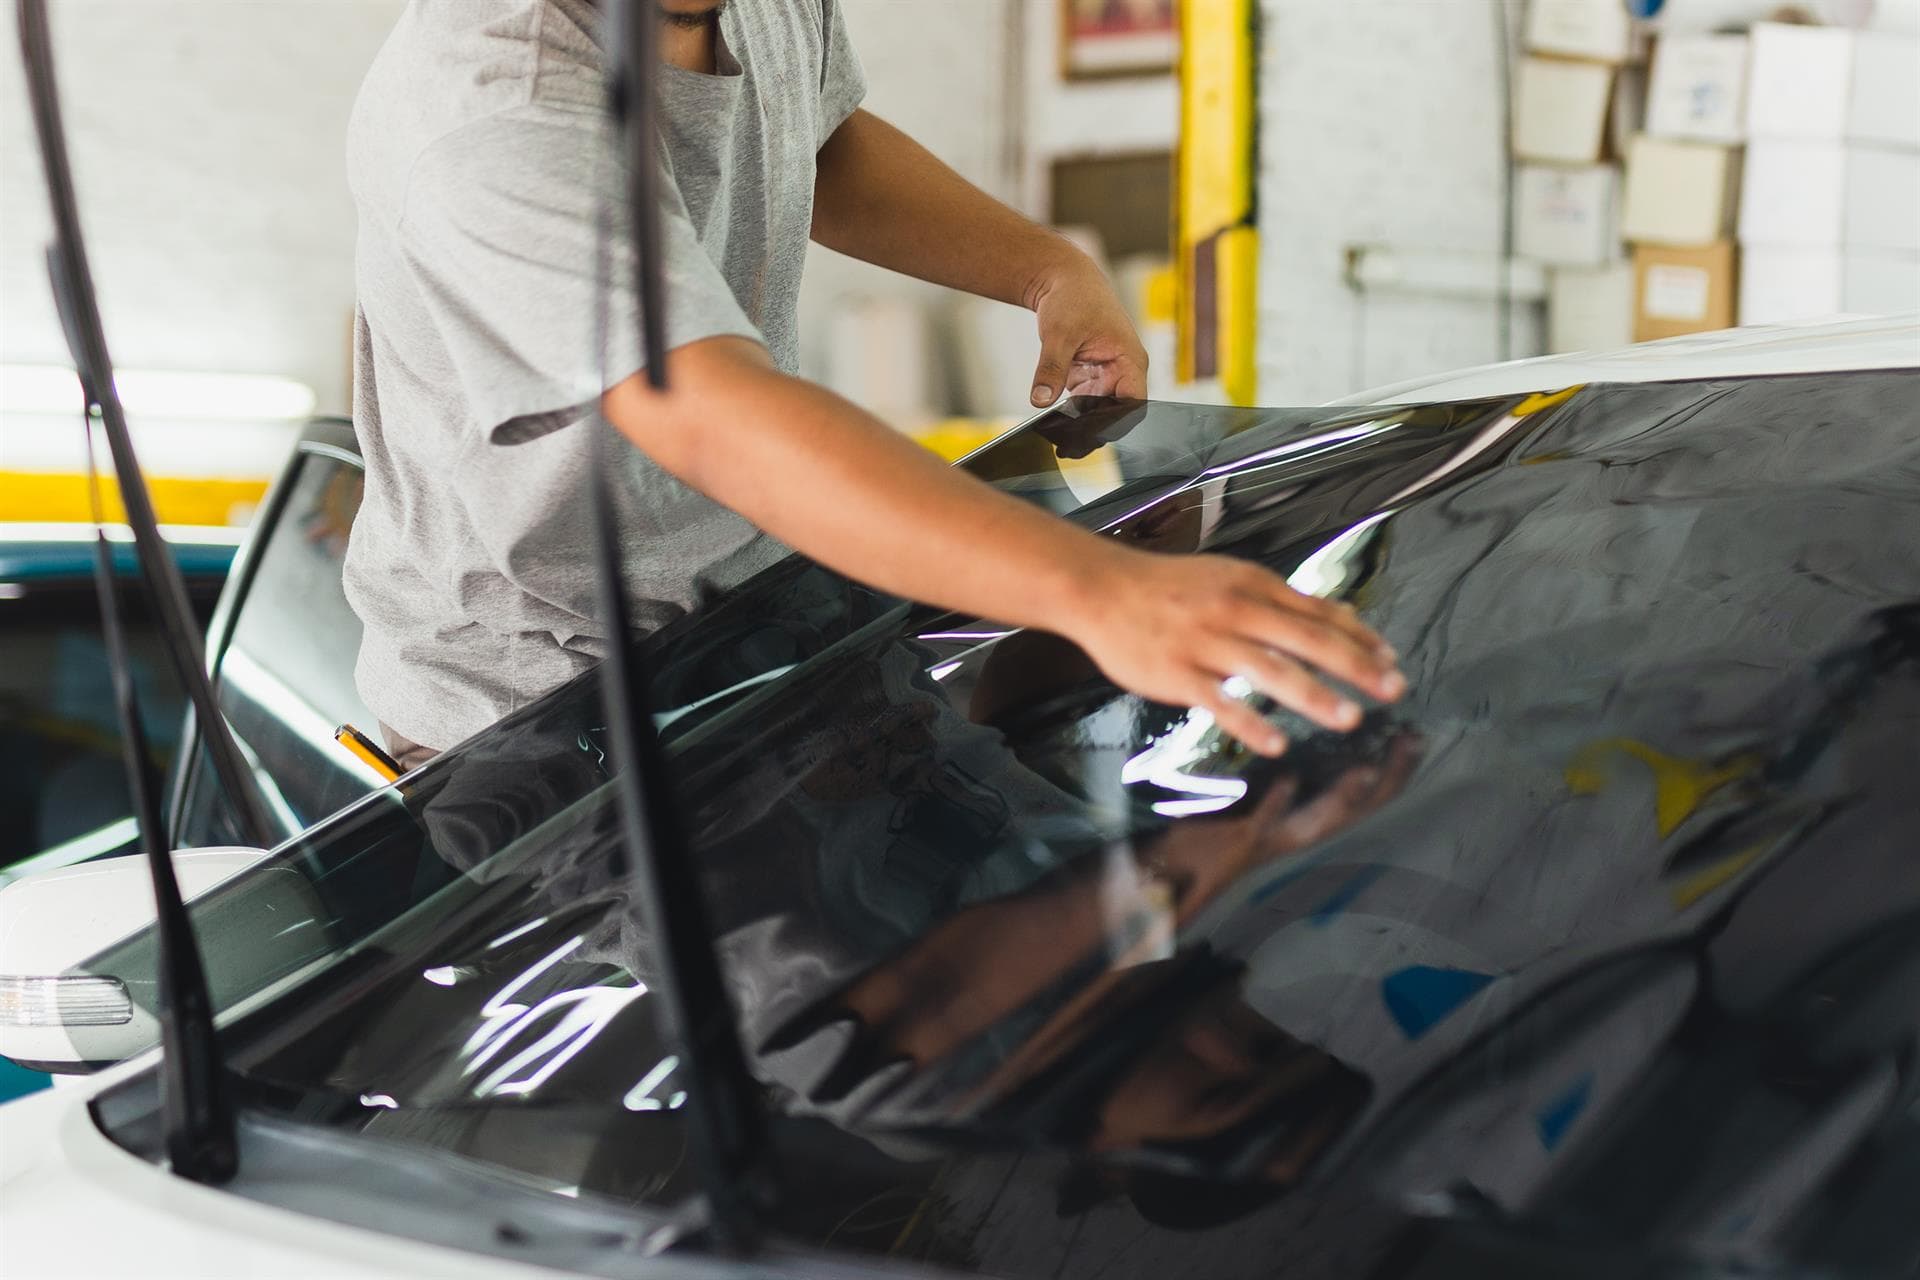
<point x="882" y="197"/>
<point x="823" y="475"/>
<point x="842" y="487"/>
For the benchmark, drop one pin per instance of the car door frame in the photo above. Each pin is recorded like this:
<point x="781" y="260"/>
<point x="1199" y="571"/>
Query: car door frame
<point x="327" y="437"/>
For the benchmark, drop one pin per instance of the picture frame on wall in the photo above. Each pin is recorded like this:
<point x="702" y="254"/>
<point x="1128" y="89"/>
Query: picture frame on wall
<point x="1118" y="38"/>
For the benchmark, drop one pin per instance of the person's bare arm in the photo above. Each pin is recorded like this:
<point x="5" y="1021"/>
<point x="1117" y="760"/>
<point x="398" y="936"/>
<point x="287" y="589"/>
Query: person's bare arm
<point x="881" y="197"/>
<point x="842" y="487"/>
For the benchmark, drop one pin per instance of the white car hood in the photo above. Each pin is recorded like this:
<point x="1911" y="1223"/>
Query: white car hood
<point x="75" y="1206"/>
<point x="72" y="1204"/>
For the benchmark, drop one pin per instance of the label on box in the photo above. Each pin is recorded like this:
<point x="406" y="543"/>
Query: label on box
<point x="1580" y="29"/>
<point x="1698" y="88"/>
<point x="1566" y="216"/>
<point x="1676" y="293"/>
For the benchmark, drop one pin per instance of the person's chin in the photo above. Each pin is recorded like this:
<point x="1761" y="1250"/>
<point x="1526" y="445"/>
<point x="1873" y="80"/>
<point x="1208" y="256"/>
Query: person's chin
<point x="690" y="12"/>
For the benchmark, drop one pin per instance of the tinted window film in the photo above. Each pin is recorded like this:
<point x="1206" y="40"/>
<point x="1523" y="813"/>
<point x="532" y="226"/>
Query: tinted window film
<point x="1608" y="931"/>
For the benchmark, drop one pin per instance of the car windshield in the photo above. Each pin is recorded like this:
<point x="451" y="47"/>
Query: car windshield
<point x="1015" y="928"/>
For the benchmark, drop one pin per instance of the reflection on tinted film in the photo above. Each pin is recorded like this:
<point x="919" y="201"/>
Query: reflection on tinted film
<point x="1608" y="937"/>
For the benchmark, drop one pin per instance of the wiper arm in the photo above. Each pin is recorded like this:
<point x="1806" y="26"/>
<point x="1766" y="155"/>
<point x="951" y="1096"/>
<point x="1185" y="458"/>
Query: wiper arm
<point x="198" y="1119"/>
<point x="80" y="318"/>
<point x="725" y="1119"/>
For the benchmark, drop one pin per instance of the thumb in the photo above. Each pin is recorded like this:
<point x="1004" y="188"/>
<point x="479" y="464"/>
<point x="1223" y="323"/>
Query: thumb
<point x="1050" y="376"/>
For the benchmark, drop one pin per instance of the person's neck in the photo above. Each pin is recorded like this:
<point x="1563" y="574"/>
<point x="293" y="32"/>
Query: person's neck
<point x="691" y="45"/>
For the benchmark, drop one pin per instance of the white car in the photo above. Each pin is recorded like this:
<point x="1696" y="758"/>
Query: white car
<point x="1599" y="955"/>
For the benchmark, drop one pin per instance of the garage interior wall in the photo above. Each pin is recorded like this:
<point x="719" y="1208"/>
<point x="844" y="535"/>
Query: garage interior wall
<point x="207" y="137"/>
<point x="978" y="83"/>
<point x="1379" y="125"/>
<point x="207" y="145"/>
<point x="940" y="73"/>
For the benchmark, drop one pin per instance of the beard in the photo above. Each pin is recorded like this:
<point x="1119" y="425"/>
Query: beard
<point x="694" y="20"/>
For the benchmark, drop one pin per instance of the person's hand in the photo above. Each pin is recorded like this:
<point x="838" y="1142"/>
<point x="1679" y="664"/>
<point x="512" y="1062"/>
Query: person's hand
<point x="1088" y="346"/>
<point x="1173" y="628"/>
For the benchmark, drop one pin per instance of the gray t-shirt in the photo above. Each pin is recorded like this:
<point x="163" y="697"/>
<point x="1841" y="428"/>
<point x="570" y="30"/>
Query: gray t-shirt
<point x="478" y="157"/>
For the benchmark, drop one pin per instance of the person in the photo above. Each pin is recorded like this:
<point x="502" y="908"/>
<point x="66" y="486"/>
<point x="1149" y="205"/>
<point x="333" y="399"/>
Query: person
<point x="484" y="180"/>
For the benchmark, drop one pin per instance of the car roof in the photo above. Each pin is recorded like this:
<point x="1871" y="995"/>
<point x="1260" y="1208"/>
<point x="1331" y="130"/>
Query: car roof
<point x="43" y="552"/>
<point x="1829" y="346"/>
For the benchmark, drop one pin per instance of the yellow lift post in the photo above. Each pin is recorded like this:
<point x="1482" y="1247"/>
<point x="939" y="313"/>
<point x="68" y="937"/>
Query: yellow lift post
<point x="1216" y="245"/>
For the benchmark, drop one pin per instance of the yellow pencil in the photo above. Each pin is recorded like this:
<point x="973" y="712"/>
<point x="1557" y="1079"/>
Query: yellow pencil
<point x="366" y="752"/>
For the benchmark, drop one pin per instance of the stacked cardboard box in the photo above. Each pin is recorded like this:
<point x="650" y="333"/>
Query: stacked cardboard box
<point x="1755" y="177"/>
<point x="1683" y="187"/>
<point x="1830" y="210"/>
<point x="1575" y="99"/>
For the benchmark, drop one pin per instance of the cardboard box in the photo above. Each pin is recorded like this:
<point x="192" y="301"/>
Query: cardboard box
<point x="1814" y="194"/>
<point x="1568" y="217"/>
<point x="1698" y="88"/>
<point x="1783" y="284"/>
<point x="1590" y="308"/>
<point x="1833" y="85"/>
<point x="1883" y="102"/>
<point x="1678" y="291"/>
<point x="1560" y="111"/>
<point x="1679" y="193"/>
<point x="1675" y="17"/>
<point x="1598" y="29"/>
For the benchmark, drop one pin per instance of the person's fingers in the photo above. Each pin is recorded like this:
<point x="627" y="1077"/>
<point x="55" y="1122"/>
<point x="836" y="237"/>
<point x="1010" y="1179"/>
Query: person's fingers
<point x="1322" y="641"/>
<point x="1286" y="682"/>
<point x="1235" y="717"/>
<point x="1123" y="376"/>
<point x="1335" y="613"/>
<point x="1050" y="375"/>
<point x="1090" y="378"/>
<point x="1129" y="378"/>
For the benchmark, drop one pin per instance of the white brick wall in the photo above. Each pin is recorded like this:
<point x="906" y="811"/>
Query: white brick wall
<point x="1379" y="124"/>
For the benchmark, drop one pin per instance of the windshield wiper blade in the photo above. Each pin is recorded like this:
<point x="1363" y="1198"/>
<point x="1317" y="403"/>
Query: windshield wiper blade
<point x="195" y="1112"/>
<point x="86" y="339"/>
<point x="198" y="1118"/>
<point x="724" y="1112"/>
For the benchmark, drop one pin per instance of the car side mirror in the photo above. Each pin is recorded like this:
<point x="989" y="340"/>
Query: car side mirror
<point x="71" y="1000"/>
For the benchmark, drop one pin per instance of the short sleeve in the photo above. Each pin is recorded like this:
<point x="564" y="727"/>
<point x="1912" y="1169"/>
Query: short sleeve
<point x="501" y="230"/>
<point x="843" y="84"/>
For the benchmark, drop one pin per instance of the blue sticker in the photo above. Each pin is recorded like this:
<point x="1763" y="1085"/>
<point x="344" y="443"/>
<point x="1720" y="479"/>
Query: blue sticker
<point x="1421" y="997"/>
<point x="1558" y="1115"/>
